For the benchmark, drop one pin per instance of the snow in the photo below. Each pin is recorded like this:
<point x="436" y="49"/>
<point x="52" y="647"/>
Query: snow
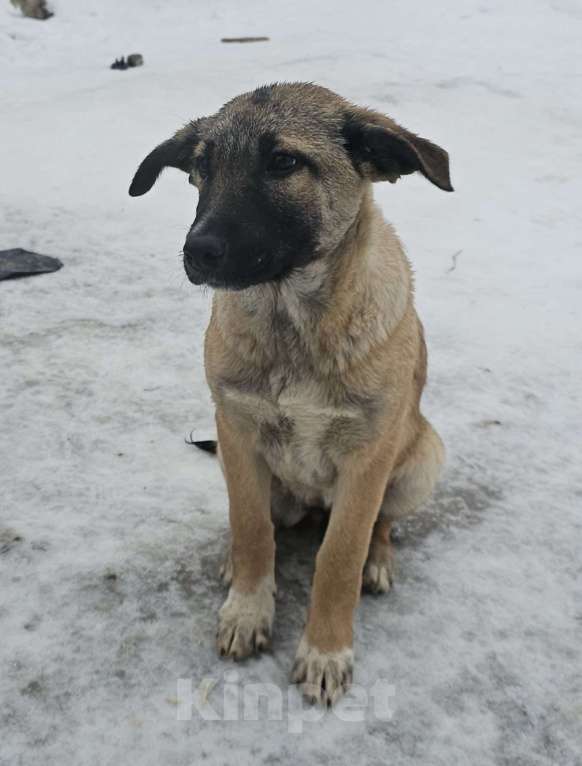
<point x="111" y="528"/>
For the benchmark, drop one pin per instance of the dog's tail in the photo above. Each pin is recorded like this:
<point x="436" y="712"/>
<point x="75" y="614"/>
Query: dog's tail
<point x="206" y="445"/>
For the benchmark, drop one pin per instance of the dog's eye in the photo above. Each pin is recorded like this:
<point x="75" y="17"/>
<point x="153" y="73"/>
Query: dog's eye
<point x="282" y="163"/>
<point x="202" y="166"/>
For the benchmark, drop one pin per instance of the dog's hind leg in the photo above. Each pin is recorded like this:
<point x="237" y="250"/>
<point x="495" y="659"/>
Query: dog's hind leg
<point x="411" y="484"/>
<point x="379" y="568"/>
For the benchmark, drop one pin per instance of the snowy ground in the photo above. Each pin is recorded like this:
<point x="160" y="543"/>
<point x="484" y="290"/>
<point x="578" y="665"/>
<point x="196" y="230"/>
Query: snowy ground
<point x="111" y="528"/>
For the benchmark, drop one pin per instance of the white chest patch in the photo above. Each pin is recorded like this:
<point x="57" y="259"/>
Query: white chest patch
<point x="301" y="436"/>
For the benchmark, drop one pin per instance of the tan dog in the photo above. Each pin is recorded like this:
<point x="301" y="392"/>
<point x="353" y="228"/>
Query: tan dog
<point x="315" y="355"/>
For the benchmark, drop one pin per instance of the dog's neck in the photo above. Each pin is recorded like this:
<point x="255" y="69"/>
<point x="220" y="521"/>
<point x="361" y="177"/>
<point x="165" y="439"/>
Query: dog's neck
<point x="342" y="303"/>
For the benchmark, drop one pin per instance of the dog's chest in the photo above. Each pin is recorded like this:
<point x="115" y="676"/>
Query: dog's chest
<point x="302" y="434"/>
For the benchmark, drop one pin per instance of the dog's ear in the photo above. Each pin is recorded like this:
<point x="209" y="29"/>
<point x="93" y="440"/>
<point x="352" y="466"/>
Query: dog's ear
<point x="381" y="150"/>
<point x="176" y="152"/>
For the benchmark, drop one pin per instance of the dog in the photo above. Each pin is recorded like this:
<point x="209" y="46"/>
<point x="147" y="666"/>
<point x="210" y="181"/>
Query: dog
<point x="314" y="354"/>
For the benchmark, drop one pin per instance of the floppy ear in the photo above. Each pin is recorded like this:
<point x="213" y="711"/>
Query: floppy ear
<point x="176" y="152"/>
<point x="383" y="151"/>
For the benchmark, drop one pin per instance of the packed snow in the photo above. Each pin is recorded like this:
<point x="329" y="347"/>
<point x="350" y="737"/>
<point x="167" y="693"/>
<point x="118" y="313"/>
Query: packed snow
<point x="112" y="528"/>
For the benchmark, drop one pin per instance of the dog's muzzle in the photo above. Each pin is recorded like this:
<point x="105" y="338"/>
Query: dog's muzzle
<point x="204" y="256"/>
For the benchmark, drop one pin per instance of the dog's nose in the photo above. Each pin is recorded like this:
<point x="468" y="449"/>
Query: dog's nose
<point x="204" y="248"/>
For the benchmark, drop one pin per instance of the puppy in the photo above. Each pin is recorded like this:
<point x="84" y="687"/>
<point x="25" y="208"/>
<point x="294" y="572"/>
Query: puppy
<point x="315" y="355"/>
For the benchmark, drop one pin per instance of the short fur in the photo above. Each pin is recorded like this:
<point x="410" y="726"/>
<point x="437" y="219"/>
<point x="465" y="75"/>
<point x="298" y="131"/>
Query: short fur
<point x="315" y="355"/>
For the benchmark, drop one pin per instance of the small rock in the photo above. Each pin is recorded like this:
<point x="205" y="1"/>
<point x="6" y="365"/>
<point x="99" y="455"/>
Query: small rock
<point x="134" y="59"/>
<point x="33" y="9"/>
<point x="119" y="64"/>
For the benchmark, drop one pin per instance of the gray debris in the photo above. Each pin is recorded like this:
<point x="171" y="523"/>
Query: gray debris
<point x="133" y="60"/>
<point x="34" y="9"/>
<point x="260" y="39"/>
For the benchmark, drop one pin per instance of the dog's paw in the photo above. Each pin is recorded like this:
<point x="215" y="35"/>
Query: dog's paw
<point x="323" y="676"/>
<point x="378" y="575"/>
<point x="225" y="571"/>
<point x="245" y="621"/>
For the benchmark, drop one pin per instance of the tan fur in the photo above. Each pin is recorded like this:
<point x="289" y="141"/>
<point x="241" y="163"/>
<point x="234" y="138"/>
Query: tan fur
<point x="382" y="454"/>
<point x="317" y="377"/>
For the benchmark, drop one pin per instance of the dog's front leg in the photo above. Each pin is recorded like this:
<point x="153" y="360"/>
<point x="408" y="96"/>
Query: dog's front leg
<point x="246" y="618"/>
<point x="324" y="661"/>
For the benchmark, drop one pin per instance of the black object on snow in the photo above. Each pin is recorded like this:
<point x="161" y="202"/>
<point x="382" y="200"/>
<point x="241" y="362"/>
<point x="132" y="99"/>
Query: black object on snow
<point x="133" y="60"/>
<point x="24" y="263"/>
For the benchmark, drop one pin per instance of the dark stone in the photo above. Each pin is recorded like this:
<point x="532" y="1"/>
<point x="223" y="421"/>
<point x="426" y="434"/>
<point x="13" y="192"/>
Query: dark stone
<point x="34" y="9"/>
<point x="134" y="59"/>
<point x="119" y="64"/>
<point x="24" y="263"/>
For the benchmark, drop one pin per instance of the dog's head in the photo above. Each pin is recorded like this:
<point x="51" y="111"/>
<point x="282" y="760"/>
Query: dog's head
<point x="281" y="173"/>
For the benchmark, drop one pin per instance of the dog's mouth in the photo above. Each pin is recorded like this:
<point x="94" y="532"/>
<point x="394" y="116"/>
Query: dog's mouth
<point x="223" y="280"/>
